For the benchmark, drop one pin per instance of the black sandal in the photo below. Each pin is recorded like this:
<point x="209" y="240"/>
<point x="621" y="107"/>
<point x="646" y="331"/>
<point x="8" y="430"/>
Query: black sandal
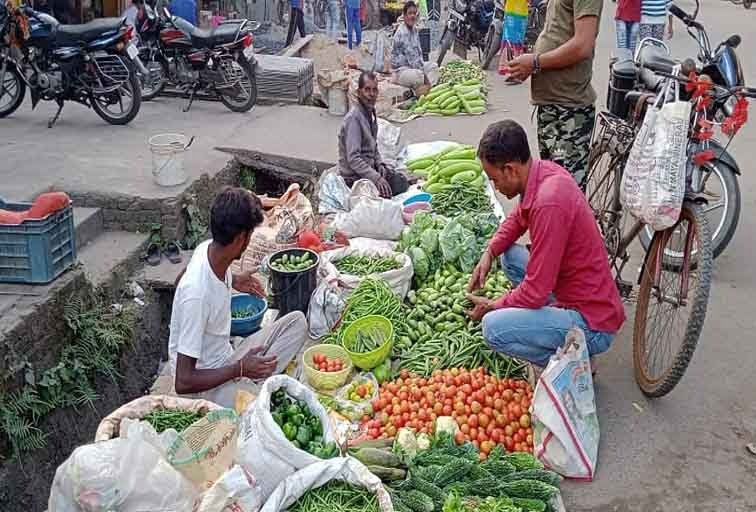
<point x="152" y="255"/>
<point x="173" y="252"/>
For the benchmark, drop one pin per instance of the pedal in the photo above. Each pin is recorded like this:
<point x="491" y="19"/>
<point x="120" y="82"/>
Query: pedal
<point x="625" y="288"/>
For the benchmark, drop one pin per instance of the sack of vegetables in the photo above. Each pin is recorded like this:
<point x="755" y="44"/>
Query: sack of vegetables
<point x="284" y="430"/>
<point x="351" y="265"/>
<point x="343" y="484"/>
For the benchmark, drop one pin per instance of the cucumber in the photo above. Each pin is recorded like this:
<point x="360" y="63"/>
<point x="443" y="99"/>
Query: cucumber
<point x="420" y="164"/>
<point x="451" y="111"/>
<point x="477" y="182"/>
<point x="461" y="154"/>
<point x="448" y="172"/>
<point x="388" y="474"/>
<point x="464" y="177"/>
<point x="377" y="457"/>
<point x="435" y="188"/>
<point x="374" y="443"/>
<point x="446" y="163"/>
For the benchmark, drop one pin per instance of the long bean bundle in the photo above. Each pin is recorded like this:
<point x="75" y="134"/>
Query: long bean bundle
<point x="459" y="198"/>
<point x="336" y="496"/>
<point x="163" y="419"/>
<point x="366" y="265"/>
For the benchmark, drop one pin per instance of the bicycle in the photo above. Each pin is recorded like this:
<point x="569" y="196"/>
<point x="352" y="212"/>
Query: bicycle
<point x="675" y="274"/>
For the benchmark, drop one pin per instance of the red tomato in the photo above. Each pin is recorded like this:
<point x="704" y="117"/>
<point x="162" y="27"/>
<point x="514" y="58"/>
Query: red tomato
<point x="484" y="420"/>
<point x="525" y="420"/>
<point x="518" y="438"/>
<point x="473" y="420"/>
<point x="465" y="428"/>
<point x="422" y="414"/>
<point x="476" y="407"/>
<point x="476" y="444"/>
<point x="488" y="412"/>
<point x="508" y="431"/>
<point x="482" y="436"/>
<point x="459" y="438"/>
<point x="490" y="428"/>
<point x="480" y="396"/>
<point x="395" y="409"/>
<point x="509" y="443"/>
<point x="517" y="410"/>
<point x="473" y="433"/>
<point x="496" y="436"/>
<point x="404" y="407"/>
<point x="405" y="417"/>
<point x="489" y="401"/>
<point x="529" y="439"/>
<point x="438" y="408"/>
<point x="447" y="410"/>
<point x="373" y="432"/>
<point x="501" y="420"/>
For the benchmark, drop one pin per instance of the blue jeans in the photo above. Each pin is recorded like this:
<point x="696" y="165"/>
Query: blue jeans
<point x="353" y="25"/>
<point x="627" y="35"/>
<point x="334" y="19"/>
<point x="535" y="334"/>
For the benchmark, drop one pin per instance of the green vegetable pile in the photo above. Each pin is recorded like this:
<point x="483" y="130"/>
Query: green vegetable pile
<point x="451" y="478"/>
<point x="455" y="164"/>
<point x="460" y="71"/>
<point x="163" y="419"/>
<point x="291" y="263"/>
<point x="244" y="312"/>
<point x="468" y="97"/>
<point x="366" y="265"/>
<point x="300" y="426"/>
<point x="441" y="333"/>
<point x="336" y="496"/>
<point x="458" y="198"/>
<point x="367" y="341"/>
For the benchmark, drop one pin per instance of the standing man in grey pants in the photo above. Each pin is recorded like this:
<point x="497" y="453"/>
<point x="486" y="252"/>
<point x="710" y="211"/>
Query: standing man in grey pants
<point x="201" y="356"/>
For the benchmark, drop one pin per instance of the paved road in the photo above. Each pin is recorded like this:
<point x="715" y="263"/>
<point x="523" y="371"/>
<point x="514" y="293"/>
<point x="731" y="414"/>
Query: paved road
<point x="685" y="452"/>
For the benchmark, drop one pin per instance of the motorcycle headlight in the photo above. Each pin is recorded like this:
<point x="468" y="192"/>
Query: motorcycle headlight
<point x="460" y="6"/>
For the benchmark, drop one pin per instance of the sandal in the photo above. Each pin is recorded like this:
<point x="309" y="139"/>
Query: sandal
<point x="152" y="255"/>
<point x="172" y="251"/>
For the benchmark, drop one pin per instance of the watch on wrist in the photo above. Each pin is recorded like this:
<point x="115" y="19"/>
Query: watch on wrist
<point x="536" y="64"/>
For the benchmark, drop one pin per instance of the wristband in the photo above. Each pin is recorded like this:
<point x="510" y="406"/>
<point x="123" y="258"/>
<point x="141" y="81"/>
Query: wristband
<point x="536" y="64"/>
<point x="241" y="368"/>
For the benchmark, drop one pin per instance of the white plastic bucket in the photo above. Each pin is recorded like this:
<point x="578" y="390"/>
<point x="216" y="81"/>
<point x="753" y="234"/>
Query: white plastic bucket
<point x="168" y="158"/>
<point x="337" y="101"/>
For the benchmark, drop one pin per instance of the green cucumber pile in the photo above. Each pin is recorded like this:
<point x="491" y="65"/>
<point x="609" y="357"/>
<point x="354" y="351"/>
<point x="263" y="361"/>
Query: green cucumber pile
<point x="336" y="496"/>
<point x="290" y="263"/>
<point x="365" y="265"/>
<point x="446" y="99"/>
<point x="300" y="425"/>
<point x="461" y="71"/>
<point x="163" y="419"/>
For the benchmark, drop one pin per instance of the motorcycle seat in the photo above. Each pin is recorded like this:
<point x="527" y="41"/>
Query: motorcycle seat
<point x="656" y="59"/>
<point x="87" y="32"/>
<point x="222" y="34"/>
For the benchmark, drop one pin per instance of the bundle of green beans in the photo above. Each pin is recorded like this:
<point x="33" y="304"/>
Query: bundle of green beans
<point x="336" y="496"/>
<point x="373" y="297"/>
<point x="163" y="419"/>
<point x="366" y="265"/>
<point x="459" y="198"/>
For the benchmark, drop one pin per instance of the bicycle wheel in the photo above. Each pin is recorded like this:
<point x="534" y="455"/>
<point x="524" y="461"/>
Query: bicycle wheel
<point x="668" y="321"/>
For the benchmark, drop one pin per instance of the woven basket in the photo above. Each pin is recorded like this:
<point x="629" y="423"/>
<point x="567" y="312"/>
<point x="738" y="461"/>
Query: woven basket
<point x="326" y="381"/>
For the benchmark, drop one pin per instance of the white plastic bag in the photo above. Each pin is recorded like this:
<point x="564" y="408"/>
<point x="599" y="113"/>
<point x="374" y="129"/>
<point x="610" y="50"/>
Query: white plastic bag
<point x="333" y="192"/>
<point x="326" y="306"/>
<point x="128" y="475"/>
<point x="316" y="475"/>
<point x="399" y="280"/>
<point x="388" y="142"/>
<point x="263" y="450"/>
<point x="653" y="183"/>
<point x="372" y="218"/>
<point x="235" y="491"/>
<point x="566" y="427"/>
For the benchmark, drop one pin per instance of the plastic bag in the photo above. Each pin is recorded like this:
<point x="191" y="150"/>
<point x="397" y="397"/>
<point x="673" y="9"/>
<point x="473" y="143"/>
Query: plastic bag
<point x="355" y="409"/>
<point x="263" y="449"/>
<point x="399" y="280"/>
<point x="653" y="183"/>
<point x="388" y="142"/>
<point x="235" y="491"/>
<point x="372" y="218"/>
<point x="128" y="475"/>
<point x="566" y="427"/>
<point x="316" y="475"/>
<point x="326" y="306"/>
<point x="333" y="192"/>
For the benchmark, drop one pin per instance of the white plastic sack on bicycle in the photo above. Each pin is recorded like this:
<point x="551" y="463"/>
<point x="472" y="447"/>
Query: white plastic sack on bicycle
<point x="566" y="428"/>
<point x="653" y="182"/>
<point x="263" y="450"/>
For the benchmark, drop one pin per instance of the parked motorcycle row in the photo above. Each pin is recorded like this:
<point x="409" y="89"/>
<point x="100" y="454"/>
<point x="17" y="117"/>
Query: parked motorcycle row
<point x="99" y="64"/>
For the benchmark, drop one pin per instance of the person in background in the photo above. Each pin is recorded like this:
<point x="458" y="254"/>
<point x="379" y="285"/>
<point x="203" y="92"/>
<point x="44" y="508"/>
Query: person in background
<point x="407" y="64"/>
<point x="654" y="16"/>
<point x="564" y="280"/>
<point x="204" y="363"/>
<point x="136" y="9"/>
<point x="354" y="24"/>
<point x="513" y="34"/>
<point x="627" y="21"/>
<point x="296" y="21"/>
<point x="358" y="145"/>
<point x="561" y="67"/>
<point x="334" y="19"/>
<point x="185" y="9"/>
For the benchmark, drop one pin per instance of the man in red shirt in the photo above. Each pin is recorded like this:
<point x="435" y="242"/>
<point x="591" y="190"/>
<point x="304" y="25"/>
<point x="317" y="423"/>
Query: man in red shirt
<point x="565" y="280"/>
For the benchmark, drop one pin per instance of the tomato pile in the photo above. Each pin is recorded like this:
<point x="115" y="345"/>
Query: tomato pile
<point x="488" y="410"/>
<point x="326" y="364"/>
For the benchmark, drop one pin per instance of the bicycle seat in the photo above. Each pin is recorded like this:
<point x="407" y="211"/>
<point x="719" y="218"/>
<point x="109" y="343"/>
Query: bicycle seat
<point x="222" y="34"/>
<point x="87" y="32"/>
<point x="650" y="80"/>
<point x="656" y="59"/>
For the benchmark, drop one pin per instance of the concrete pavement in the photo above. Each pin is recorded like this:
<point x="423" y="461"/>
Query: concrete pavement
<point x="684" y="452"/>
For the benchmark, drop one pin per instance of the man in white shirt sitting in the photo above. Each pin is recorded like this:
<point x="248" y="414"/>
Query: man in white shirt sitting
<point x="201" y="356"/>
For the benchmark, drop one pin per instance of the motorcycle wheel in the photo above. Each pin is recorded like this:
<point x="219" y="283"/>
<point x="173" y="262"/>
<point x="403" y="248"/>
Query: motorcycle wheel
<point x="721" y="182"/>
<point x="130" y="88"/>
<point x="492" y="45"/>
<point x="236" y="104"/>
<point x="159" y="75"/>
<point x="446" y="41"/>
<point x="14" y="90"/>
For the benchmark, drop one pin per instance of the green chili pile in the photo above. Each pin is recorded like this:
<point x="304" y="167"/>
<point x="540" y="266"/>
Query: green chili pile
<point x="336" y="496"/>
<point x="457" y="199"/>
<point x="366" y="265"/>
<point x="163" y="419"/>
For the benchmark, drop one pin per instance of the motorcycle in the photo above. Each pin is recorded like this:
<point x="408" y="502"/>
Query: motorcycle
<point x="92" y="64"/>
<point x="536" y="20"/>
<point x="218" y="62"/>
<point x="468" y="28"/>
<point x="715" y="178"/>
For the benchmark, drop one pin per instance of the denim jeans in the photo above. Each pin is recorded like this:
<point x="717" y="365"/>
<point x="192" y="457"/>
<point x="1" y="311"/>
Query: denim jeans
<point x="334" y="20"/>
<point x="627" y="35"/>
<point x="534" y="334"/>
<point x="353" y="25"/>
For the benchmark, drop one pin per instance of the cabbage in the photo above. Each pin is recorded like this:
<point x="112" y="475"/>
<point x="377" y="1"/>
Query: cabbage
<point x="420" y="262"/>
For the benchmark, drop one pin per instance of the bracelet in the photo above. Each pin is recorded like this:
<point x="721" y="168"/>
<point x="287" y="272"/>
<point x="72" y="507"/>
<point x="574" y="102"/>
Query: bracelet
<point x="241" y="368"/>
<point x="536" y="64"/>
